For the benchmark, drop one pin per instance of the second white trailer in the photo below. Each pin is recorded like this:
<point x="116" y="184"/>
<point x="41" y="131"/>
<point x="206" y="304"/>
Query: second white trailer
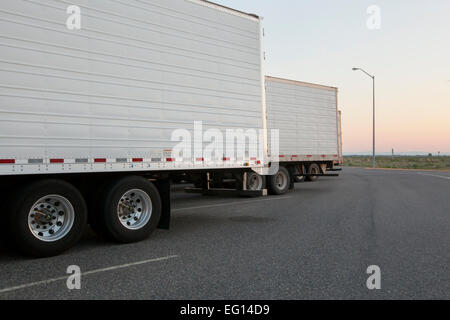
<point x="306" y="116"/>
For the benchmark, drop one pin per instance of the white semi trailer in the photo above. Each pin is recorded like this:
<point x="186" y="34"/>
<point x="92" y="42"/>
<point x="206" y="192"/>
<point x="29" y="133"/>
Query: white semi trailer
<point x="340" y="161"/>
<point x="90" y="94"/>
<point x="88" y="108"/>
<point x="306" y="116"/>
<point x="309" y="142"/>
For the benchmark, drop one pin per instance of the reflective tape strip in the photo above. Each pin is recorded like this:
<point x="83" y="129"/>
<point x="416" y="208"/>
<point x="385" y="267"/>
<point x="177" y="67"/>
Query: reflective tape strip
<point x="90" y="161"/>
<point x="35" y="161"/>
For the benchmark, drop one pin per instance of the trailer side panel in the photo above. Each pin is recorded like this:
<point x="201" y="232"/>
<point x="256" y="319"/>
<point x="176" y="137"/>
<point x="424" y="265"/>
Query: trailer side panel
<point x="108" y="97"/>
<point x="306" y="116"/>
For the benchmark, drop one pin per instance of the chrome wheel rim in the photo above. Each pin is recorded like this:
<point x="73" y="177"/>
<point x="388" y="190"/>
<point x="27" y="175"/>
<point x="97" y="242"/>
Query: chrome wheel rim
<point x="51" y="218"/>
<point x="134" y="209"/>
<point x="281" y="180"/>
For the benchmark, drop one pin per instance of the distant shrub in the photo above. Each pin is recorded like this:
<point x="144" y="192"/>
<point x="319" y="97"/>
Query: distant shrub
<point x="405" y="162"/>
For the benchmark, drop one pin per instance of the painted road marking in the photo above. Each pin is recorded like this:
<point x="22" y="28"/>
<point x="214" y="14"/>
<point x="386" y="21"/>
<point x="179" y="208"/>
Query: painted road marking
<point x="230" y="203"/>
<point x="122" y="266"/>
<point x="434" y="175"/>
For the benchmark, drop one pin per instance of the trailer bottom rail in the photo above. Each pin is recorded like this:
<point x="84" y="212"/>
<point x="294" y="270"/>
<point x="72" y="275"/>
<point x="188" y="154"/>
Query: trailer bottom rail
<point x="229" y="192"/>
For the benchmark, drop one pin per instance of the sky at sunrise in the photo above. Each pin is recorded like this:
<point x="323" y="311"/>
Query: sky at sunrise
<point x="408" y="50"/>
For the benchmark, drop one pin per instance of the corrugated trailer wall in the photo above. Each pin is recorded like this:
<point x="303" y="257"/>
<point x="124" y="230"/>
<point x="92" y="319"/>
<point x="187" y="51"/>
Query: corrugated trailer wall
<point x="117" y="88"/>
<point x="306" y="115"/>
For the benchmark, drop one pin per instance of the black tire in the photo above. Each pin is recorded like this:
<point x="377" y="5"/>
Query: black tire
<point x="313" y="168"/>
<point x="108" y="223"/>
<point x="18" y="211"/>
<point x="255" y="182"/>
<point x="279" y="183"/>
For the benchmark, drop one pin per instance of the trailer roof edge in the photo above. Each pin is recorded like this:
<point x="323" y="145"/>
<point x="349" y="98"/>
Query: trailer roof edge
<point x="227" y="9"/>
<point x="302" y="83"/>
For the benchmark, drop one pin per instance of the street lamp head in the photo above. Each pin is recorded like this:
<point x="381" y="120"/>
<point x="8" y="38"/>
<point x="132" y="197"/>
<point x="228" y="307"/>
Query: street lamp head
<point x="355" y="69"/>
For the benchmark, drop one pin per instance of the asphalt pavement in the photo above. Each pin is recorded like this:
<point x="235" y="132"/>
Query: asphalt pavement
<point x="315" y="242"/>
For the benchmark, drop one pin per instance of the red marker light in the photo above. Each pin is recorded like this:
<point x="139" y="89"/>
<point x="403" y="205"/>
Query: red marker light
<point x="7" y="161"/>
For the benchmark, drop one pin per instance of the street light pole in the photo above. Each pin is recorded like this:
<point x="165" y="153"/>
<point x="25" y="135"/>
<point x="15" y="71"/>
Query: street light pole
<point x="374" y="164"/>
<point x="373" y="138"/>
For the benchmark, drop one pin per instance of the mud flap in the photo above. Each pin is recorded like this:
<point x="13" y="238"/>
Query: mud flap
<point x="291" y="176"/>
<point x="163" y="187"/>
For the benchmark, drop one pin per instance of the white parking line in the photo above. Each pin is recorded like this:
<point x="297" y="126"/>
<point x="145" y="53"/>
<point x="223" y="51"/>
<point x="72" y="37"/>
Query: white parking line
<point x="434" y="175"/>
<point x="231" y="203"/>
<point x="122" y="266"/>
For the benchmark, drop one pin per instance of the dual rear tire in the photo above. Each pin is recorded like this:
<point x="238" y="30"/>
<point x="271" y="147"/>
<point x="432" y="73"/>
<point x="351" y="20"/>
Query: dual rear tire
<point x="128" y="210"/>
<point x="47" y="217"/>
<point x="313" y="168"/>
<point x="280" y="182"/>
